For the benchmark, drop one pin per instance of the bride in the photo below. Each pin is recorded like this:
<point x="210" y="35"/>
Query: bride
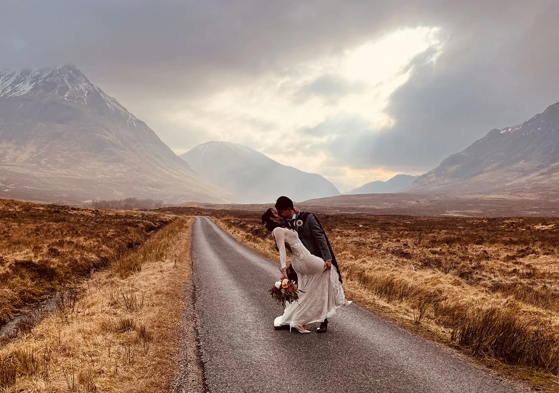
<point x="320" y="290"/>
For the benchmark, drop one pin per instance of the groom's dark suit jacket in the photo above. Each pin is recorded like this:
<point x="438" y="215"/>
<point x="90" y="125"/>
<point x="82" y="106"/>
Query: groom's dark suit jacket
<point x="314" y="238"/>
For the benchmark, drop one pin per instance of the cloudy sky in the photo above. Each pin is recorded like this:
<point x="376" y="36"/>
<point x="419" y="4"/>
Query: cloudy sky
<point x="354" y="90"/>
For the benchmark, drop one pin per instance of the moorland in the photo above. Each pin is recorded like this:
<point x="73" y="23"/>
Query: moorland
<point x="488" y="286"/>
<point x="46" y="247"/>
<point x="113" y="326"/>
<point x="428" y="205"/>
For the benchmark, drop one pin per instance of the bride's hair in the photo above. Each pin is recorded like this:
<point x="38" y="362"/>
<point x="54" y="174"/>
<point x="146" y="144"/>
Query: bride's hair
<point x="267" y="220"/>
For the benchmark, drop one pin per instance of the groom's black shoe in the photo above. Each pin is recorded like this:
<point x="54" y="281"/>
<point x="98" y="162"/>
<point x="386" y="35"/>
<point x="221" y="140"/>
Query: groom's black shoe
<point x="323" y="327"/>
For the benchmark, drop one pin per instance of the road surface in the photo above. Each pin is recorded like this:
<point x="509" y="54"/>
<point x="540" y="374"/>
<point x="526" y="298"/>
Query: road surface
<point x="361" y="352"/>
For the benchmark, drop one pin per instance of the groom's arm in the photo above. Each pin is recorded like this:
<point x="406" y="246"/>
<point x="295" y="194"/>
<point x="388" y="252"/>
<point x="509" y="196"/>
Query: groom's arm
<point x="319" y="237"/>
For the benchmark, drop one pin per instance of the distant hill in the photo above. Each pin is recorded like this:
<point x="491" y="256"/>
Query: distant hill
<point x="521" y="160"/>
<point x="63" y="139"/>
<point x="251" y="177"/>
<point x="395" y="184"/>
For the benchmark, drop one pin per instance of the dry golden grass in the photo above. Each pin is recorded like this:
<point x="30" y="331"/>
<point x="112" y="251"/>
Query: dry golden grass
<point x="120" y="334"/>
<point x="44" y="248"/>
<point x="487" y="286"/>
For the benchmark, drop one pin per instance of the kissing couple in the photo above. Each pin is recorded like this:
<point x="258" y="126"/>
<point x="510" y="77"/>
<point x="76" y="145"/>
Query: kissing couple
<point x="313" y="266"/>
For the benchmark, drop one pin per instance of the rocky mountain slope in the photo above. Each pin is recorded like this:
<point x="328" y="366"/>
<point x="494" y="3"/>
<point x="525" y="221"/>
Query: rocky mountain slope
<point x="63" y="139"/>
<point x="521" y="160"/>
<point x="252" y="177"/>
<point x="394" y="184"/>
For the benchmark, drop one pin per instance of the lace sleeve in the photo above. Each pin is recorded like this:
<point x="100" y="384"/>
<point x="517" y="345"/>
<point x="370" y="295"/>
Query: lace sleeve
<point x="279" y="236"/>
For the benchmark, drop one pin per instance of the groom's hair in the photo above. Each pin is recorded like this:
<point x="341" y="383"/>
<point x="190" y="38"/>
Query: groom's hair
<point x="267" y="220"/>
<point x="284" y="203"/>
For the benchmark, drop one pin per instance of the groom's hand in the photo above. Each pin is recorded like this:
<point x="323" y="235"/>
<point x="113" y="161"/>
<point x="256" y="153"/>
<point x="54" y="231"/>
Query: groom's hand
<point x="328" y="265"/>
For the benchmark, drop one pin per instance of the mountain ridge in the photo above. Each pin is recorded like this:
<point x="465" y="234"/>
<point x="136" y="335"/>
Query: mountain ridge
<point x="394" y="184"/>
<point x="253" y="177"/>
<point x="518" y="159"/>
<point x="63" y="138"/>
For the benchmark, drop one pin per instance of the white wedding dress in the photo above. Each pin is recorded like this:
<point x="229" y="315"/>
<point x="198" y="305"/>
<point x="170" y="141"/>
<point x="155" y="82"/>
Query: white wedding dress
<point x="320" y="290"/>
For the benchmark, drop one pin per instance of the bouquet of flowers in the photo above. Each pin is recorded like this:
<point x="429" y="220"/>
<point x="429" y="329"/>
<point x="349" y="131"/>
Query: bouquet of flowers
<point x="285" y="291"/>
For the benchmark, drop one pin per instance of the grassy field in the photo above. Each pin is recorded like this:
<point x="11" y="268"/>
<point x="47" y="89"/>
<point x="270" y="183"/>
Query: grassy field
<point x="121" y="330"/>
<point x="487" y="286"/>
<point x="44" y="248"/>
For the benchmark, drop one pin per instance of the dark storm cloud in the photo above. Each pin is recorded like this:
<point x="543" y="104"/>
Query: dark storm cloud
<point x="498" y="67"/>
<point x="173" y="46"/>
<point x="496" y="70"/>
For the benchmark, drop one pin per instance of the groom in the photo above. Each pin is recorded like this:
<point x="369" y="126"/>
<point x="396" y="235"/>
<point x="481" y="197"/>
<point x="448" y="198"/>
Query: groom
<point x="312" y="235"/>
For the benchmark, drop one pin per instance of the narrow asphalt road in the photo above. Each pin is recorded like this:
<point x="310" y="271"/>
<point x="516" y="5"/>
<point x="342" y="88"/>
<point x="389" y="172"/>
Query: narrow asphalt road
<point x="242" y="352"/>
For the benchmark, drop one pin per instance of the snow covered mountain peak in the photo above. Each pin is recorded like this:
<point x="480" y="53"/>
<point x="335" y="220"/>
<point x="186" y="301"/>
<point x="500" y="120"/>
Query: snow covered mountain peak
<point x="546" y="121"/>
<point x="63" y="139"/>
<point x="66" y="83"/>
<point x="520" y="159"/>
<point x="60" y="81"/>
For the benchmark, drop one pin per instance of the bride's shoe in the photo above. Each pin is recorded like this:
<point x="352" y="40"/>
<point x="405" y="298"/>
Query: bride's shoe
<point x="302" y="329"/>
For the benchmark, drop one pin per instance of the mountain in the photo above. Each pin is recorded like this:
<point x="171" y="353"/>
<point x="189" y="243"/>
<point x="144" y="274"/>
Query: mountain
<point x="522" y="160"/>
<point x="394" y="184"/>
<point x="252" y="177"/>
<point x="63" y="139"/>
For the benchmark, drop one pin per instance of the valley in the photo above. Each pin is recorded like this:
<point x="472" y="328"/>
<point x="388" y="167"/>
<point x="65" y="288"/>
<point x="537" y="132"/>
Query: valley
<point x="113" y="327"/>
<point x="488" y="286"/>
<point x="141" y="142"/>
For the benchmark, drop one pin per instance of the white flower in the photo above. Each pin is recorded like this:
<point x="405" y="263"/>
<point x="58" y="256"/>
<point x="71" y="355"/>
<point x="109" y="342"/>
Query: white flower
<point x="278" y="284"/>
<point x="299" y="223"/>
